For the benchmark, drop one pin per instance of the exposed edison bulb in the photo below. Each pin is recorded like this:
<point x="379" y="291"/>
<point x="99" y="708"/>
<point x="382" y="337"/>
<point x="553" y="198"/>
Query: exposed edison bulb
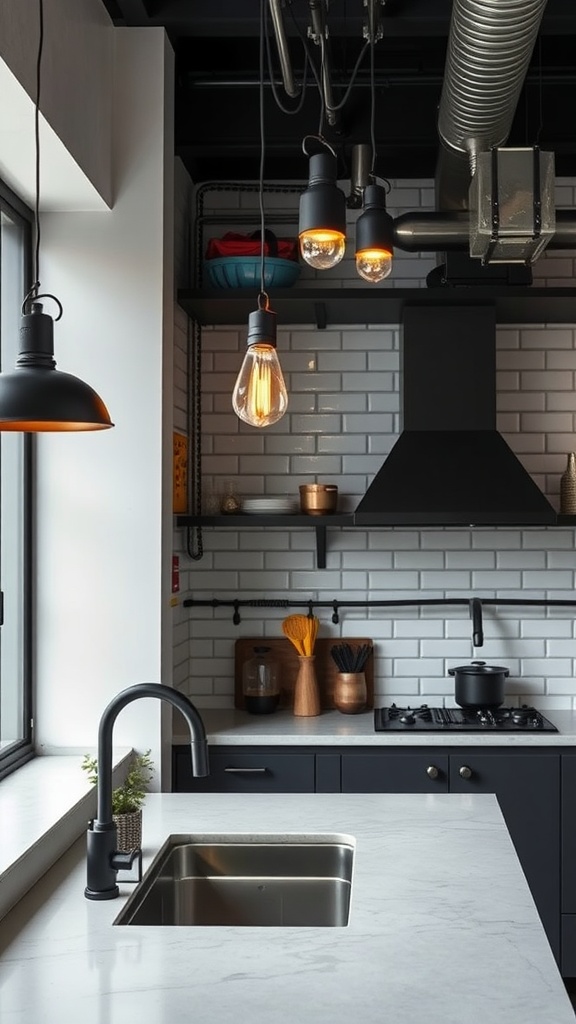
<point x="322" y="248"/>
<point x="260" y="397"/>
<point x="374" y="264"/>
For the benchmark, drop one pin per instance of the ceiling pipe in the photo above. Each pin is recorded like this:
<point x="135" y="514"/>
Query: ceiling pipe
<point x="449" y="231"/>
<point x="490" y="44"/>
<point x="288" y="81"/>
<point x="319" y="33"/>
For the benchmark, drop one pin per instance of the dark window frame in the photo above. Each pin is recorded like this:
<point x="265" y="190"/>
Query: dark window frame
<point x="23" y="750"/>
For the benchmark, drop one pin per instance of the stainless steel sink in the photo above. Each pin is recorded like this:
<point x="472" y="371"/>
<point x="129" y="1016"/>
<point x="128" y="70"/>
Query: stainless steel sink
<point x="303" y="881"/>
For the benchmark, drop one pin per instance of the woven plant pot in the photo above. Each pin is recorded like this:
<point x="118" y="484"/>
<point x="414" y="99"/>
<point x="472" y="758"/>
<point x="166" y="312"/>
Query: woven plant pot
<point x="129" y="831"/>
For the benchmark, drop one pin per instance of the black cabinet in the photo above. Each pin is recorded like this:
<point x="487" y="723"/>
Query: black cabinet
<point x="244" y="770"/>
<point x="568" y="835"/>
<point x="392" y="772"/>
<point x="527" y="787"/>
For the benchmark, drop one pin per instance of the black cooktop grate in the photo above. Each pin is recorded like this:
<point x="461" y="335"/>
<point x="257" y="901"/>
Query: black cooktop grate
<point x="429" y="719"/>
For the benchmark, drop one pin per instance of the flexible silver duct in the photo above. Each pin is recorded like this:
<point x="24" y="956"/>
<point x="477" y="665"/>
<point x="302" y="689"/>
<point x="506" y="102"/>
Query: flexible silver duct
<point x="490" y="44"/>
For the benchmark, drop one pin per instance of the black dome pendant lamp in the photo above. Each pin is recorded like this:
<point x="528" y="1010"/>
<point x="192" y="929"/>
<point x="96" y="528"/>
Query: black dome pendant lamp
<point x="35" y="396"/>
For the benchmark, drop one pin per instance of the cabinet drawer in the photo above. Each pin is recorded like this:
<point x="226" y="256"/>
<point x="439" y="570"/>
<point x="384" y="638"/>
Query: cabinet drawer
<point x="568" y="966"/>
<point x="395" y="773"/>
<point x="569" y="835"/>
<point x="242" y="771"/>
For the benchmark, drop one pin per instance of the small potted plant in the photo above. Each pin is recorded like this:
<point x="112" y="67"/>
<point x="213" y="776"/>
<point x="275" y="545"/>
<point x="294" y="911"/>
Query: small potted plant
<point x="127" y="799"/>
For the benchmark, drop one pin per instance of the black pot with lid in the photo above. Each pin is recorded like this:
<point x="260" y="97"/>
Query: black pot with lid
<point x="479" y="685"/>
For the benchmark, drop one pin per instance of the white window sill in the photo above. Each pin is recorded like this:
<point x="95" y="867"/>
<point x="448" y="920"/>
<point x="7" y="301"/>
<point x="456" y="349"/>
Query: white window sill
<point x="44" y="807"/>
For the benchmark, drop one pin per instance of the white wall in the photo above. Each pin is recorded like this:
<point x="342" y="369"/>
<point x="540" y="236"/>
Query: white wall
<point x="76" y="82"/>
<point x="103" y="506"/>
<point x="343" y="418"/>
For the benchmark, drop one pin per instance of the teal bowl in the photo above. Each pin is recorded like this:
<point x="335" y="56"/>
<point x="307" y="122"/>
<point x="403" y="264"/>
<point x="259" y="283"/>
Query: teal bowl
<point x="244" y="272"/>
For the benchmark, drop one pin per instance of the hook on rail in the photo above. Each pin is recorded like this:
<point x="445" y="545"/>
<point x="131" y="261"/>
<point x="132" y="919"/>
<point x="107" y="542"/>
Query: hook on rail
<point x="476" y="616"/>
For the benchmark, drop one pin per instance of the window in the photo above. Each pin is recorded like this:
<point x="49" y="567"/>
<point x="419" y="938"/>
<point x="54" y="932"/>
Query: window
<point x="15" y="503"/>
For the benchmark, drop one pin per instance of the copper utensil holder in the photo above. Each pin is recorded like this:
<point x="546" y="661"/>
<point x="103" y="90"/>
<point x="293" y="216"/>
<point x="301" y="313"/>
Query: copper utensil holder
<point x="350" y="693"/>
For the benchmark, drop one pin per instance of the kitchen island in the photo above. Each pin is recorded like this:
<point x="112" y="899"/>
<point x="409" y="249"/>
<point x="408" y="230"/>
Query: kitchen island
<point x="442" y="929"/>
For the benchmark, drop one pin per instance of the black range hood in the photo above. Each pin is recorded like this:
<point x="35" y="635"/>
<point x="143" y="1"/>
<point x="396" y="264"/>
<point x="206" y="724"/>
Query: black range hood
<point x="450" y="466"/>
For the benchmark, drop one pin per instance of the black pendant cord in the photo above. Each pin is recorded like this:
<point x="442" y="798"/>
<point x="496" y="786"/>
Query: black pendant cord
<point x="36" y="284"/>
<point x="263" y="296"/>
<point x="33" y="294"/>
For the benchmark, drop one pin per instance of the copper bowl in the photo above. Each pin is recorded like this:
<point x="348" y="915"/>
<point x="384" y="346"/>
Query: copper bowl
<point x="318" y="499"/>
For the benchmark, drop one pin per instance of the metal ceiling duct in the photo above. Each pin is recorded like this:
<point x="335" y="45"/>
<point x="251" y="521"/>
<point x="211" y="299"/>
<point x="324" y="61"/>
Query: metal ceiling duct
<point x="490" y="44"/>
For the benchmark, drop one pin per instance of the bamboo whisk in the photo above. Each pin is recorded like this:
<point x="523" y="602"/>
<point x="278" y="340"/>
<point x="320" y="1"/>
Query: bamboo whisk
<point x="302" y="630"/>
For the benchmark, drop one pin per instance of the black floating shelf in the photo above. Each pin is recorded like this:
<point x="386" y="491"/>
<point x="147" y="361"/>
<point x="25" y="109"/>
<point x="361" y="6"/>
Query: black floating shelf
<point x="320" y="524"/>
<point x="521" y="305"/>
<point x="243" y="520"/>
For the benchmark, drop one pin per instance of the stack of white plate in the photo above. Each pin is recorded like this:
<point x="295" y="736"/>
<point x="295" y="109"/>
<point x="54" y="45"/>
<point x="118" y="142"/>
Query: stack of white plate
<point x="267" y="506"/>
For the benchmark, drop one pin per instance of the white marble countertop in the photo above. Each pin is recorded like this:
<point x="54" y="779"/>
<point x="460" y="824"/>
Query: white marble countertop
<point x="443" y="929"/>
<point x="331" y="728"/>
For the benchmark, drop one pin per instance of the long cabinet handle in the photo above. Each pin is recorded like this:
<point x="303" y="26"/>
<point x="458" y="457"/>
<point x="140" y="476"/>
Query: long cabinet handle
<point x="246" y="771"/>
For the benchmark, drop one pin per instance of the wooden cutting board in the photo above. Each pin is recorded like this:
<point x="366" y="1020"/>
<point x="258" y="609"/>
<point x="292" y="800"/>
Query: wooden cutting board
<point x="285" y="653"/>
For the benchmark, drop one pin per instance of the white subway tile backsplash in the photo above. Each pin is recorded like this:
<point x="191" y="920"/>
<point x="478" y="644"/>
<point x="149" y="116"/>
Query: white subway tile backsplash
<point x="342" y="402"/>
<point x="555" y="686"/>
<point x="419" y="667"/>
<point x="393" y="580"/>
<point x="547" y="666"/>
<point x="520" y="559"/>
<point x="418" y="559"/>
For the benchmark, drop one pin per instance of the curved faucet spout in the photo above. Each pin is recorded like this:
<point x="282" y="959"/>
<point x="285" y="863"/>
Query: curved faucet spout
<point x="102" y="860"/>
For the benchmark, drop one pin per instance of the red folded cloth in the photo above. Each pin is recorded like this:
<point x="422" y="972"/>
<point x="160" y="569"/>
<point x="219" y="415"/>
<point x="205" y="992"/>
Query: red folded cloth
<point x="232" y="244"/>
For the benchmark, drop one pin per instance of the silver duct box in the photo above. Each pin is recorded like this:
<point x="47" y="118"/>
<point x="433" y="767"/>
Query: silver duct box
<point x="511" y="202"/>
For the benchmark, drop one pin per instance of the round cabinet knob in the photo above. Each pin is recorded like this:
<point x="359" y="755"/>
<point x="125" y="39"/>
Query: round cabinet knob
<point x="465" y="772"/>
<point x="432" y="772"/>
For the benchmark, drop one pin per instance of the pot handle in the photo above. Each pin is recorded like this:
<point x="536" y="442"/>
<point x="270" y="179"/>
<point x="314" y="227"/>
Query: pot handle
<point x="451" y="671"/>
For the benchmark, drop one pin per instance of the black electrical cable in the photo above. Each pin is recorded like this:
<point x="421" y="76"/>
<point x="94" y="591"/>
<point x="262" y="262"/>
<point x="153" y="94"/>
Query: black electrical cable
<point x="36" y="285"/>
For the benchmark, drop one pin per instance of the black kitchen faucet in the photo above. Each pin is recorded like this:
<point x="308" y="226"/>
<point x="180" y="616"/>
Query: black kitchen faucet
<point x="103" y="859"/>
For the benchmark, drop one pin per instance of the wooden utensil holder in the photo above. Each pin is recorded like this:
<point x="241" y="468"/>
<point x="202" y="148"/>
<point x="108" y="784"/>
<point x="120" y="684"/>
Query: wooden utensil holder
<point x="306" y="692"/>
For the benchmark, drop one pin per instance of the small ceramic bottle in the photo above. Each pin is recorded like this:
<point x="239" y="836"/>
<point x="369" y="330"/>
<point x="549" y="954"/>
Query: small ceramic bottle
<point x="568" y="486"/>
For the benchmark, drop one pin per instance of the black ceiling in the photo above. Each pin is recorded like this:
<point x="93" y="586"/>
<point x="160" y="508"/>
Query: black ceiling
<point x="217" y="85"/>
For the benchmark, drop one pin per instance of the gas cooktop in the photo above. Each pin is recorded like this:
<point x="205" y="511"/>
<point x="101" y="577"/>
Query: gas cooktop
<point x="427" y="719"/>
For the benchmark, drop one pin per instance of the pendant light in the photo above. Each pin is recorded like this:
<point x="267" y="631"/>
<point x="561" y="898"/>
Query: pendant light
<point x="322" y="220"/>
<point x="375" y="226"/>
<point x="374" y="236"/>
<point x="35" y="396"/>
<point x="260" y="397"/>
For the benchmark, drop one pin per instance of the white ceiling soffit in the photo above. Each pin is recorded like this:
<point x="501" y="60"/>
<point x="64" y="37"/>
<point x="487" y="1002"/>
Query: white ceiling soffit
<point x="63" y="184"/>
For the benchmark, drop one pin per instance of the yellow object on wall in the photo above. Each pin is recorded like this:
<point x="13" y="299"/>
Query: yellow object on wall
<point x="180" y="473"/>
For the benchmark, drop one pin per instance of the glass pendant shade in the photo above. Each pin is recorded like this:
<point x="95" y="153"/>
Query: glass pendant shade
<point x="322" y="220"/>
<point x="374" y="237"/>
<point x="37" y="397"/>
<point x="260" y="397"/>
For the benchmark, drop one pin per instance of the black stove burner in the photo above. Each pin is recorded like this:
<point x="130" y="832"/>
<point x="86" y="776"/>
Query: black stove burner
<point x="425" y="719"/>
